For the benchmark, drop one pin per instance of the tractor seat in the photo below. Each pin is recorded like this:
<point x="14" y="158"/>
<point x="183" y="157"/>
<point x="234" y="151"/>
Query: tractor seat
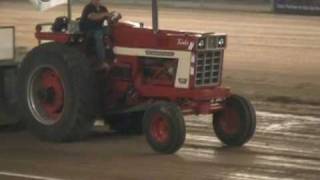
<point x="64" y="24"/>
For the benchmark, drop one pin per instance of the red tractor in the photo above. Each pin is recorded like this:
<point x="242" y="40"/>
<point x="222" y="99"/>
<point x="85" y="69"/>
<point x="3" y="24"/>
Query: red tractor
<point x="157" y="77"/>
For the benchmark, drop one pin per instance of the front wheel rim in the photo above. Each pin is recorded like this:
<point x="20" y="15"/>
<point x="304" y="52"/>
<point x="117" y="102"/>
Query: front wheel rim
<point x="160" y="128"/>
<point x="229" y="121"/>
<point x="45" y="95"/>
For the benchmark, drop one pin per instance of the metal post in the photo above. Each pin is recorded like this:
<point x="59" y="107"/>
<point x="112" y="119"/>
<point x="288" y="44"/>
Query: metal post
<point x="155" y="22"/>
<point x="69" y="9"/>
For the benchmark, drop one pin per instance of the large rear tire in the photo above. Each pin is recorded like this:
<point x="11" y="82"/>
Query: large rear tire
<point x="236" y="123"/>
<point x="164" y="127"/>
<point x="56" y="93"/>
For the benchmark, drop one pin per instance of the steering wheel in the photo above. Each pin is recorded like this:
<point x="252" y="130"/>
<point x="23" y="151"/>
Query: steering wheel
<point x="115" y="17"/>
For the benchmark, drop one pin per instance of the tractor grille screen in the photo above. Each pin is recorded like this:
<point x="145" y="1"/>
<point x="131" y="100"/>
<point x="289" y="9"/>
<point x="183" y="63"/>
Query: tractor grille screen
<point x="208" y="67"/>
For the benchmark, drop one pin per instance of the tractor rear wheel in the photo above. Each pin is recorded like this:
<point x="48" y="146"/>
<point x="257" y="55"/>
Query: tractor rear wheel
<point x="164" y="127"/>
<point x="236" y="123"/>
<point x="56" y="92"/>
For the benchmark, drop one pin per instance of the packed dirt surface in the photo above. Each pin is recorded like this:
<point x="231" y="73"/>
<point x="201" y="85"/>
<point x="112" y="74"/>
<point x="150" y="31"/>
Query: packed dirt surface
<point x="270" y="58"/>
<point x="284" y="147"/>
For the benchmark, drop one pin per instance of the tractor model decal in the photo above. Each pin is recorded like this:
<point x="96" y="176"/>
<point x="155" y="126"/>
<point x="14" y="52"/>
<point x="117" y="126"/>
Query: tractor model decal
<point x="183" y="42"/>
<point x="159" y="53"/>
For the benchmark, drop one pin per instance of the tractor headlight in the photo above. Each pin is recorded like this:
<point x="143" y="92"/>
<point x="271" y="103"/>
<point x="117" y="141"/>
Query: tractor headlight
<point x="221" y="42"/>
<point x="217" y="42"/>
<point x="202" y="44"/>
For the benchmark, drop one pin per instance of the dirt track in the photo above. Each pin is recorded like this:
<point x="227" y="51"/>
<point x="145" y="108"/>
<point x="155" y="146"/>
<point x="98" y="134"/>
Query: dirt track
<point x="269" y="56"/>
<point x="285" y="147"/>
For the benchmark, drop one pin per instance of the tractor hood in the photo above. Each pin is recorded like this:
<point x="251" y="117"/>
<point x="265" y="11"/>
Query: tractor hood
<point x="129" y="34"/>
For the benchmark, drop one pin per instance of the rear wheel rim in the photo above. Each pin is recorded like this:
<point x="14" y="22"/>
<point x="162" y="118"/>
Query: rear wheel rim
<point x="160" y="128"/>
<point x="229" y="120"/>
<point x="46" y="95"/>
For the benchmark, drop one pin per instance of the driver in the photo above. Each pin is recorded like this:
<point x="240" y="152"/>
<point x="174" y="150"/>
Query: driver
<point x="93" y="16"/>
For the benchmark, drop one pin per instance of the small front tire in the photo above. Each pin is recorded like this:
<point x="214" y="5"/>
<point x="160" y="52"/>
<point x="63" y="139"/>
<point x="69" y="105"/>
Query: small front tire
<point x="236" y="123"/>
<point x="164" y="127"/>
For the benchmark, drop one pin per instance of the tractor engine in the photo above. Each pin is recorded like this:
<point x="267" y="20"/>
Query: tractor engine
<point x="158" y="71"/>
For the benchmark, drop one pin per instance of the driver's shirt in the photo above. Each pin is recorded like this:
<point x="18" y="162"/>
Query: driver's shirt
<point x="85" y="23"/>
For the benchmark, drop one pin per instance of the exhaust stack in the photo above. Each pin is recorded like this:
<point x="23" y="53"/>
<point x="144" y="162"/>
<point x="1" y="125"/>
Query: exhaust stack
<point x="155" y="18"/>
<point x="69" y="9"/>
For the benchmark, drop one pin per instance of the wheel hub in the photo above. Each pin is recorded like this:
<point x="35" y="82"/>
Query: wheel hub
<point x="46" y="95"/>
<point x="230" y="120"/>
<point x="160" y="128"/>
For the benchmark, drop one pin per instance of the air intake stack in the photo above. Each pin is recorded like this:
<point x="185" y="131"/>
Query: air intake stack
<point x="155" y="18"/>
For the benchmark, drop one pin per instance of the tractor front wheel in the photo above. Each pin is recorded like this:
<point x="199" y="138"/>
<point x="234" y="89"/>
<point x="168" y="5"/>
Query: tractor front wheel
<point x="164" y="127"/>
<point x="236" y="123"/>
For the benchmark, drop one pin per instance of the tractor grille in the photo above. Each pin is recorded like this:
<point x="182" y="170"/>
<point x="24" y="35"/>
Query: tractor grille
<point x="208" y="68"/>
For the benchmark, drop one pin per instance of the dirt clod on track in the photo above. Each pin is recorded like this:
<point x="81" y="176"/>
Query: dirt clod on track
<point x="269" y="57"/>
